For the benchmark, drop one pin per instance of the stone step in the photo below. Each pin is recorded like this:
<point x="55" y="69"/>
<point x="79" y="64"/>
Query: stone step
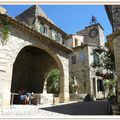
<point x="116" y="110"/>
<point x="116" y="113"/>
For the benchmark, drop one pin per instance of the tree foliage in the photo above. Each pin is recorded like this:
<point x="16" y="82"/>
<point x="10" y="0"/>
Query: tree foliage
<point x="106" y="63"/>
<point x="53" y="83"/>
<point x="5" y="29"/>
<point x="105" y="69"/>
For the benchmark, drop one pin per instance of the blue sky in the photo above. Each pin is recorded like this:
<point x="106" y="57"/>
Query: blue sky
<point x="70" y="18"/>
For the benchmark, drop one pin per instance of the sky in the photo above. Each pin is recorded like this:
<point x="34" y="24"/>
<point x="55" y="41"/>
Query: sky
<point x="70" y="18"/>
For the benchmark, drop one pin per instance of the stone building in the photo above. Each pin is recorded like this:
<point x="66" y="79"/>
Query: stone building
<point x="29" y="54"/>
<point x="113" y="12"/>
<point x="81" y="60"/>
<point x="35" y="46"/>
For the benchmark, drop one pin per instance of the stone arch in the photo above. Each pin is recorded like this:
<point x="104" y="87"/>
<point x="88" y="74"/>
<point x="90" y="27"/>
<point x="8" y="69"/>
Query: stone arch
<point x="16" y="43"/>
<point x="54" y="57"/>
<point x="46" y="79"/>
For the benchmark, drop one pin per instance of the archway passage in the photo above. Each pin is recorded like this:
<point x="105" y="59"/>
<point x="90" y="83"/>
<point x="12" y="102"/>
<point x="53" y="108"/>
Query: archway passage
<point x="31" y="68"/>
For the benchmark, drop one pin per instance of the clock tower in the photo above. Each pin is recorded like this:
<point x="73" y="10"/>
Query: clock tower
<point x="93" y="34"/>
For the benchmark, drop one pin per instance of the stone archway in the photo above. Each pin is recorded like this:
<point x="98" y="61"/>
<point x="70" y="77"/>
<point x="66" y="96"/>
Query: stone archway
<point x="31" y="68"/>
<point x="20" y="38"/>
<point x="61" y="64"/>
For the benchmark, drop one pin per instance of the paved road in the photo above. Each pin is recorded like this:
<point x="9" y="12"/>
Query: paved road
<point x="82" y="108"/>
<point x="78" y="108"/>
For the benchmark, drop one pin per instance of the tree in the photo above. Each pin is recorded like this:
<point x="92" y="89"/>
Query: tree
<point x="105" y="67"/>
<point x="53" y="83"/>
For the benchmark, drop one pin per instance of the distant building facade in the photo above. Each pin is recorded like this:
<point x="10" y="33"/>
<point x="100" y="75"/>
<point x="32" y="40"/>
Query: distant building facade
<point x="81" y="60"/>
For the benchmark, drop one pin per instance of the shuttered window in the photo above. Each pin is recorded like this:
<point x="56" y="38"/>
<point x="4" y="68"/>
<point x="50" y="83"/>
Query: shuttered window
<point x="73" y="59"/>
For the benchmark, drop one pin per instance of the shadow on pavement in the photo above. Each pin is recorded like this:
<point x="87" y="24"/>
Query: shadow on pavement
<point x="83" y="108"/>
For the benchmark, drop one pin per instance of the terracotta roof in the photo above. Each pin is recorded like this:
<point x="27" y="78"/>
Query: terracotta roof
<point x="33" y="11"/>
<point x="28" y="28"/>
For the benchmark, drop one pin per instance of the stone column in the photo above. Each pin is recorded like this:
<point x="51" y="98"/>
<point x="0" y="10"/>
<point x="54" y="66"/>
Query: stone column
<point x="6" y="95"/>
<point x="64" y="87"/>
<point x="96" y="86"/>
<point x="116" y="44"/>
<point x="45" y="87"/>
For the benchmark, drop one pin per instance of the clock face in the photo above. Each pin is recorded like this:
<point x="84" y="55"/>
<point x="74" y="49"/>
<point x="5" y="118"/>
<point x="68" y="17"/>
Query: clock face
<point x="93" y="33"/>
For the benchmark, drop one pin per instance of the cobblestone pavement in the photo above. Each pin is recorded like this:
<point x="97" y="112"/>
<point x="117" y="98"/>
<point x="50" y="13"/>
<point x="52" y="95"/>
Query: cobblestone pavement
<point x="77" y="108"/>
<point x="28" y="110"/>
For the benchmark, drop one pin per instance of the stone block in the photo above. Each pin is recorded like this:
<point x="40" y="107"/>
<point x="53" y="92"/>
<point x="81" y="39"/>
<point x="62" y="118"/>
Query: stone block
<point x="77" y="97"/>
<point x="0" y="99"/>
<point x="56" y="101"/>
<point x="2" y="68"/>
<point x="46" y="98"/>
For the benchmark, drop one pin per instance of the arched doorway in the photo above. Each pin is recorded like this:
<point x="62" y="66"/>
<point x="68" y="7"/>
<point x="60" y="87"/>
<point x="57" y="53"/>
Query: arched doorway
<point x="30" y="69"/>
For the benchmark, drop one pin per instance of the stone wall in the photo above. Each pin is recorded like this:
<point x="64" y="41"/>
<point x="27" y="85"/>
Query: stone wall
<point x="84" y="72"/>
<point x="113" y="12"/>
<point x="116" y="45"/>
<point x="74" y="41"/>
<point x="30" y="69"/>
<point x="115" y="17"/>
<point x="80" y="70"/>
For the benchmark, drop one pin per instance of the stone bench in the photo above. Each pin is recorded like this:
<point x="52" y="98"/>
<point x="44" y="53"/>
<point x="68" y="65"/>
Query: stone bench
<point x="38" y="98"/>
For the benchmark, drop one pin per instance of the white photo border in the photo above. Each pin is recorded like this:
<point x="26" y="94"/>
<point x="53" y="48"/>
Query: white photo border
<point x="61" y="2"/>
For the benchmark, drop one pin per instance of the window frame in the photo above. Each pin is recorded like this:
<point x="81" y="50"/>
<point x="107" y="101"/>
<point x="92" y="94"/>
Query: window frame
<point x="73" y="59"/>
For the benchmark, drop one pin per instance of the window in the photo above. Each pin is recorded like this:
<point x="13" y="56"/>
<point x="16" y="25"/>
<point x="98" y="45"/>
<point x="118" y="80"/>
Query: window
<point x="50" y="32"/>
<point x="59" y="38"/>
<point x="53" y="34"/>
<point x="56" y="36"/>
<point x="96" y="59"/>
<point x="43" y="29"/>
<point x="76" y="42"/>
<point x="94" y="87"/>
<point x="100" y="85"/>
<point x="73" y="59"/>
<point x="62" y="40"/>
